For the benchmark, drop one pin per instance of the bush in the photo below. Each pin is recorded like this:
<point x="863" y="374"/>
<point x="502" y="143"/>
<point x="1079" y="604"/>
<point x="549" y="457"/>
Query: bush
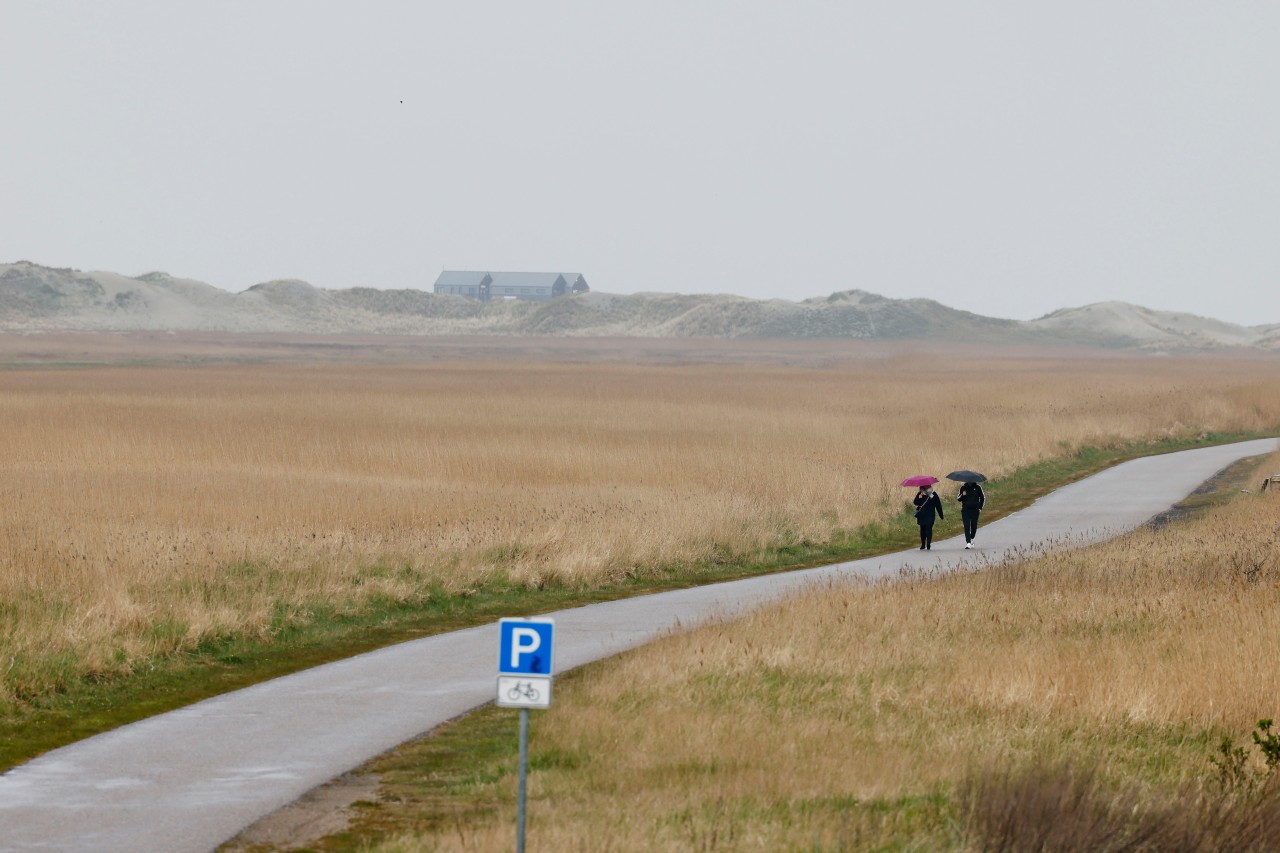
<point x="1062" y="808"/>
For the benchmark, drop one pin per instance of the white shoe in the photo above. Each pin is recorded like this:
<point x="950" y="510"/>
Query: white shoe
<point x="968" y="544"/>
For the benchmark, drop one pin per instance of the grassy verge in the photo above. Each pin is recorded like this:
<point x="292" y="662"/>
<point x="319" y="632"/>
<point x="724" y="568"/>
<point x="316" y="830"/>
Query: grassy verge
<point x="88" y="707"/>
<point x="456" y="783"/>
<point x="1101" y="758"/>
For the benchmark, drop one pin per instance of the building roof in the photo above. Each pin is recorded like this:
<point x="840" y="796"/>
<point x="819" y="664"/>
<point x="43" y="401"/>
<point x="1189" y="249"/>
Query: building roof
<point x="462" y="277"/>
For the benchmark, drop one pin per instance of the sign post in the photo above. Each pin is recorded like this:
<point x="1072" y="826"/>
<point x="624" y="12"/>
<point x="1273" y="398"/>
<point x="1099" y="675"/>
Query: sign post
<point x="524" y="682"/>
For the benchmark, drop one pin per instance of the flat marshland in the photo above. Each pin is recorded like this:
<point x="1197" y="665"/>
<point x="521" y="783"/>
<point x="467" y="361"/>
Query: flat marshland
<point x="152" y="510"/>
<point x="1062" y="700"/>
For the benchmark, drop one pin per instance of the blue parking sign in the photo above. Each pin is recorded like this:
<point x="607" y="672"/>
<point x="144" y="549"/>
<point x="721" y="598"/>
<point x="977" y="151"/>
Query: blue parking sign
<point x="524" y="646"/>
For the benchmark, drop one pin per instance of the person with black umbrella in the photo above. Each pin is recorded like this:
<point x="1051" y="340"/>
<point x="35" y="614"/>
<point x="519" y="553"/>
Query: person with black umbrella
<point x="972" y="499"/>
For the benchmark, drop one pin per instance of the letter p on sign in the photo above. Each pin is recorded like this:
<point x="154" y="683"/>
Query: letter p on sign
<point x="524" y="641"/>
<point x="525" y="646"/>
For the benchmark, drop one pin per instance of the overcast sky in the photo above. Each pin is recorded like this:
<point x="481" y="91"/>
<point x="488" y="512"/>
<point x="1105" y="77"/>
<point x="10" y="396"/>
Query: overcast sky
<point x="1007" y="158"/>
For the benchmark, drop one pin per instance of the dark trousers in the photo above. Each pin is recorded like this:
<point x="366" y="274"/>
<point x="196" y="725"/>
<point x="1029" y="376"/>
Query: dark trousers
<point x="970" y="519"/>
<point x="926" y="535"/>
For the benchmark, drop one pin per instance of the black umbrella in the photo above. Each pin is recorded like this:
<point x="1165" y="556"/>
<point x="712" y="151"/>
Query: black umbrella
<point x="966" y="477"/>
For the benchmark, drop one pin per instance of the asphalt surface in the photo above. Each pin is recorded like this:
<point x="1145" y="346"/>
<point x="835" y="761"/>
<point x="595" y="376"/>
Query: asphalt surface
<point x="193" y="778"/>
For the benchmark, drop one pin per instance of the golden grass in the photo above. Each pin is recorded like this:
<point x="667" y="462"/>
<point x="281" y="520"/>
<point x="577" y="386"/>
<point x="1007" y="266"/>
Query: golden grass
<point x="847" y="717"/>
<point x="148" y="509"/>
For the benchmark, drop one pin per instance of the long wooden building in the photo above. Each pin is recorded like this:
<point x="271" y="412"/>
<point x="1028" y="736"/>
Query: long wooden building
<point x="535" y="286"/>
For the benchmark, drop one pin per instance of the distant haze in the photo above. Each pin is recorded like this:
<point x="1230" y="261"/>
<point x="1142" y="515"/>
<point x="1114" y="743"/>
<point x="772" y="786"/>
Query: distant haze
<point x="35" y="299"/>
<point x="1002" y="158"/>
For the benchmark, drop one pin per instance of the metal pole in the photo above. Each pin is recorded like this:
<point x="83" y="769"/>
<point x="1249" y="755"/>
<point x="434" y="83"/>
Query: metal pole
<point x="524" y="770"/>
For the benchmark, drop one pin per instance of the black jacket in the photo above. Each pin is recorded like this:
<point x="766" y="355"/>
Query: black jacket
<point x="926" y="507"/>
<point x="971" y="496"/>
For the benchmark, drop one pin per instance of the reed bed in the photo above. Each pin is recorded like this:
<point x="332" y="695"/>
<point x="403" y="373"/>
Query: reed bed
<point x="151" y="509"/>
<point x="861" y="717"/>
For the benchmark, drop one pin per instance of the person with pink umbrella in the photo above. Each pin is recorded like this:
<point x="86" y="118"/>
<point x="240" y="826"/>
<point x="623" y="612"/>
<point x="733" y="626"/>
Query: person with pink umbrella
<point x="927" y="504"/>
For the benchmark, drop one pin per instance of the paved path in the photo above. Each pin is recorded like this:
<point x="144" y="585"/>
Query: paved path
<point x="192" y="778"/>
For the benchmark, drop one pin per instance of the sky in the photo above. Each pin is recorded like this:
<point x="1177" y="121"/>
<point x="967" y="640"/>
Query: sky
<point x="1005" y="158"/>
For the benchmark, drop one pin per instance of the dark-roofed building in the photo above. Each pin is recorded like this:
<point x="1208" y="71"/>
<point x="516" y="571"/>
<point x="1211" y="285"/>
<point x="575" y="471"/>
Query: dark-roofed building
<point x="474" y="285"/>
<point x="510" y="285"/>
<point x="527" y="285"/>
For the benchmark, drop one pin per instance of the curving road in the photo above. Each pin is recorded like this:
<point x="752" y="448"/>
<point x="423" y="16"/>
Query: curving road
<point x="193" y="778"/>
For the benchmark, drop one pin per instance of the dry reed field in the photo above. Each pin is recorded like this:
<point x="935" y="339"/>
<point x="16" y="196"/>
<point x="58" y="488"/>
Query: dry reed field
<point x="861" y="716"/>
<point x="148" y="509"/>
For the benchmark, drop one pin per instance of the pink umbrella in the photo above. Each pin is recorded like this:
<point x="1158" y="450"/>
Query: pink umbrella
<point x="921" y="480"/>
